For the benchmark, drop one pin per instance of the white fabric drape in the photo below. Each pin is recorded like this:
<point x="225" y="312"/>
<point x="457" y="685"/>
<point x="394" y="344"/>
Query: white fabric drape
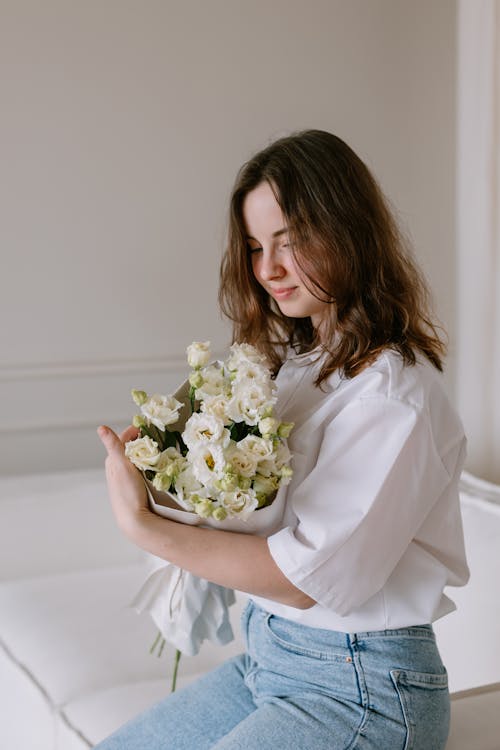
<point x="478" y="232"/>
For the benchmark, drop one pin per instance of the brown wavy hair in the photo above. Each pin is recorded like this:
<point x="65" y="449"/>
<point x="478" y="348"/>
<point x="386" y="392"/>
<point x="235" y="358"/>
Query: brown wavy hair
<point x="349" y="251"/>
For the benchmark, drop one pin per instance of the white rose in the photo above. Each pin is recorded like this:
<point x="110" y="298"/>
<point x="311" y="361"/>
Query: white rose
<point x="161" y="410"/>
<point x="240" y="353"/>
<point x="198" y="354"/>
<point x="204" y="428"/>
<point x="187" y="485"/>
<point x="259" y="447"/>
<point x="249" y="402"/>
<point x="280" y="457"/>
<point x="170" y="462"/>
<point x="253" y="371"/>
<point x="208" y="463"/>
<point x="242" y="462"/>
<point x="214" y="383"/>
<point x="240" y="503"/>
<point x="217" y="407"/>
<point x="143" y="453"/>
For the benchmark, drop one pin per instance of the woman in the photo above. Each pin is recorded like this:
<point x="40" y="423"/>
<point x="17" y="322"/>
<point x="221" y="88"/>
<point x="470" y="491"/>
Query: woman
<point x="340" y="647"/>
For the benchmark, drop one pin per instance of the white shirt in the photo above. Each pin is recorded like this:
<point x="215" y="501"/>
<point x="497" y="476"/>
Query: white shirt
<point x="372" y="528"/>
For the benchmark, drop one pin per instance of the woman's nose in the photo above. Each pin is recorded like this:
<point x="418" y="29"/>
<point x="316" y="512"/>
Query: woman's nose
<point x="271" y="267"/>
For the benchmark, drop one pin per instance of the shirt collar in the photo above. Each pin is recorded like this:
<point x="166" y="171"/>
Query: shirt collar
<point x="304" y="357"/>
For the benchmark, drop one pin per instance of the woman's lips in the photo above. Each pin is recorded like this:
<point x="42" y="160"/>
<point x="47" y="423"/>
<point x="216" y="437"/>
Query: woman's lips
<point x="283" y="293"/>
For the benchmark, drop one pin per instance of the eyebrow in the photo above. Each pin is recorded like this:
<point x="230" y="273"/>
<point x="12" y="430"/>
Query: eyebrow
<point x="277" y="233"/>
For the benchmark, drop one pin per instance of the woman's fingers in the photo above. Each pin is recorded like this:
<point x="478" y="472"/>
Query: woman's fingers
<point x="131" y="433"/>
<point x="111" y="441"/>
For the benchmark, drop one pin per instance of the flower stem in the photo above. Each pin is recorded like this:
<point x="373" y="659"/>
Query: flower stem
<point x="176" y="667"/>
<point x="156" y="641"/>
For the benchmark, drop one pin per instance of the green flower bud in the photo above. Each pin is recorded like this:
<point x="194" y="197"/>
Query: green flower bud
<point x="285" y="475"/>
<point x="196" y="379"/>
<point x="140" y="397"/>
<point x="162" y="482"/>
<point x="204" y="508"/>
<point x="171" y="470"/>
<point x="219" y="513"/>
<point x="229" y="483"/>
<point x="268" y="426"/>
<point x="285" y="429"/>
<point x="265" y="485"/>
<point x="244" y="483"/>
<point x="268" y="412"/>
<point x="139" y="421"/>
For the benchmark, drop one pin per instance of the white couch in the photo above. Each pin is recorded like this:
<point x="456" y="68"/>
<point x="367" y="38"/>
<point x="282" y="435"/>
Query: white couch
<point x="74" y="661"/>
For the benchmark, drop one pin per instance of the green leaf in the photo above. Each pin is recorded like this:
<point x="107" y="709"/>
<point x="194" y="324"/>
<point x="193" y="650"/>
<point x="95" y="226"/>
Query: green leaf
<point x="169" y="439"/>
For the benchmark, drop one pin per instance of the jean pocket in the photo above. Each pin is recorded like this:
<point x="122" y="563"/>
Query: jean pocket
<point x="425" y="705"/>
<point x="303" y="640"/>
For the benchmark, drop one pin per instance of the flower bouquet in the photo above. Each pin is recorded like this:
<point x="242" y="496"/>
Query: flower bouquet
<point x="214" y="454"/>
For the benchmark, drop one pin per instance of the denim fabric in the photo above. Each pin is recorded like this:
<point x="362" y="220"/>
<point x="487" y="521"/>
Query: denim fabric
<point x="299" y="687"/>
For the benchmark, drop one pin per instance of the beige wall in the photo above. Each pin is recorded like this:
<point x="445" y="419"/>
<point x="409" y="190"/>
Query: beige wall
<point x="123" y="124"/>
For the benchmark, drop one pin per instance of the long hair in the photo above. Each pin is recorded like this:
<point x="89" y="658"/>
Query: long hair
<point x="349" y="251"/>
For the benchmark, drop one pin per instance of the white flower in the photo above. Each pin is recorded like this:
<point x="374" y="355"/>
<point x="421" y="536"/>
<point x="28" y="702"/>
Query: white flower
<point x="143" y="453"/>
<point x="240" y="503"/>
<point x="161" y="410"/>
<point x="257" y="446"/>
<point x="242" y="462"/>
<point x="208" y="463"/>
<point x="253" y="371"/>
<point x="170" y="462"/>
<point x="283" y="455"/>
<point x="240" y="353"/>
<point x="249" y="402"/>
<point x="198" y="354"/>
<point x="217" y="407"/>
<point x="204" y="428"/>
<point x="187" y="485"/>
<point x="214" y="383"/>
<point x="280" y="457"/>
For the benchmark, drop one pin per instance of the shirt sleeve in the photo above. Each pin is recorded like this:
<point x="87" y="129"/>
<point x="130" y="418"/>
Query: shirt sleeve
<point x="377" y="476"/>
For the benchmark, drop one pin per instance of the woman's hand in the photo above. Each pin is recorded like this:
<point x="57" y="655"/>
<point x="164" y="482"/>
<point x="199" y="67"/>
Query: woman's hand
<point x="126" y="487"/>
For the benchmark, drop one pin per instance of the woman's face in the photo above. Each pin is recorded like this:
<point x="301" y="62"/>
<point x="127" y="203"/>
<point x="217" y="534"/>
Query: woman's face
<point x="272" y="260"/>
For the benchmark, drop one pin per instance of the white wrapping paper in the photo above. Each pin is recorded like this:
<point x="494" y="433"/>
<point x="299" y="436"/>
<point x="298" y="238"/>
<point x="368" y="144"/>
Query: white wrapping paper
<point x="186" y="609"/>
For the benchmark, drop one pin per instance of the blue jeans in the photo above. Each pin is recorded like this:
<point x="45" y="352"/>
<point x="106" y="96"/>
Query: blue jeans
<point x="299" y="687"/>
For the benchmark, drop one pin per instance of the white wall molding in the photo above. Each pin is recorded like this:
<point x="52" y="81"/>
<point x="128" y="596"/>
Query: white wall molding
<point x="46" y="391"/>
<point x="79" y="395"/>
<point x="40" y="371"/>
<point x="50" y="412"/>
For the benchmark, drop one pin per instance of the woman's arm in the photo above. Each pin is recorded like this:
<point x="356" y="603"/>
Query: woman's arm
<point x="239" y="561"/>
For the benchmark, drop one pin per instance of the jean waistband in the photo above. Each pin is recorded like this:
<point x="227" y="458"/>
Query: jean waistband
<point x="342" y="638"/>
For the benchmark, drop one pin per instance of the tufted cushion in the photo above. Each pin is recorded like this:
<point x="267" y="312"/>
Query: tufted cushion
<point x="70" y="641"/>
